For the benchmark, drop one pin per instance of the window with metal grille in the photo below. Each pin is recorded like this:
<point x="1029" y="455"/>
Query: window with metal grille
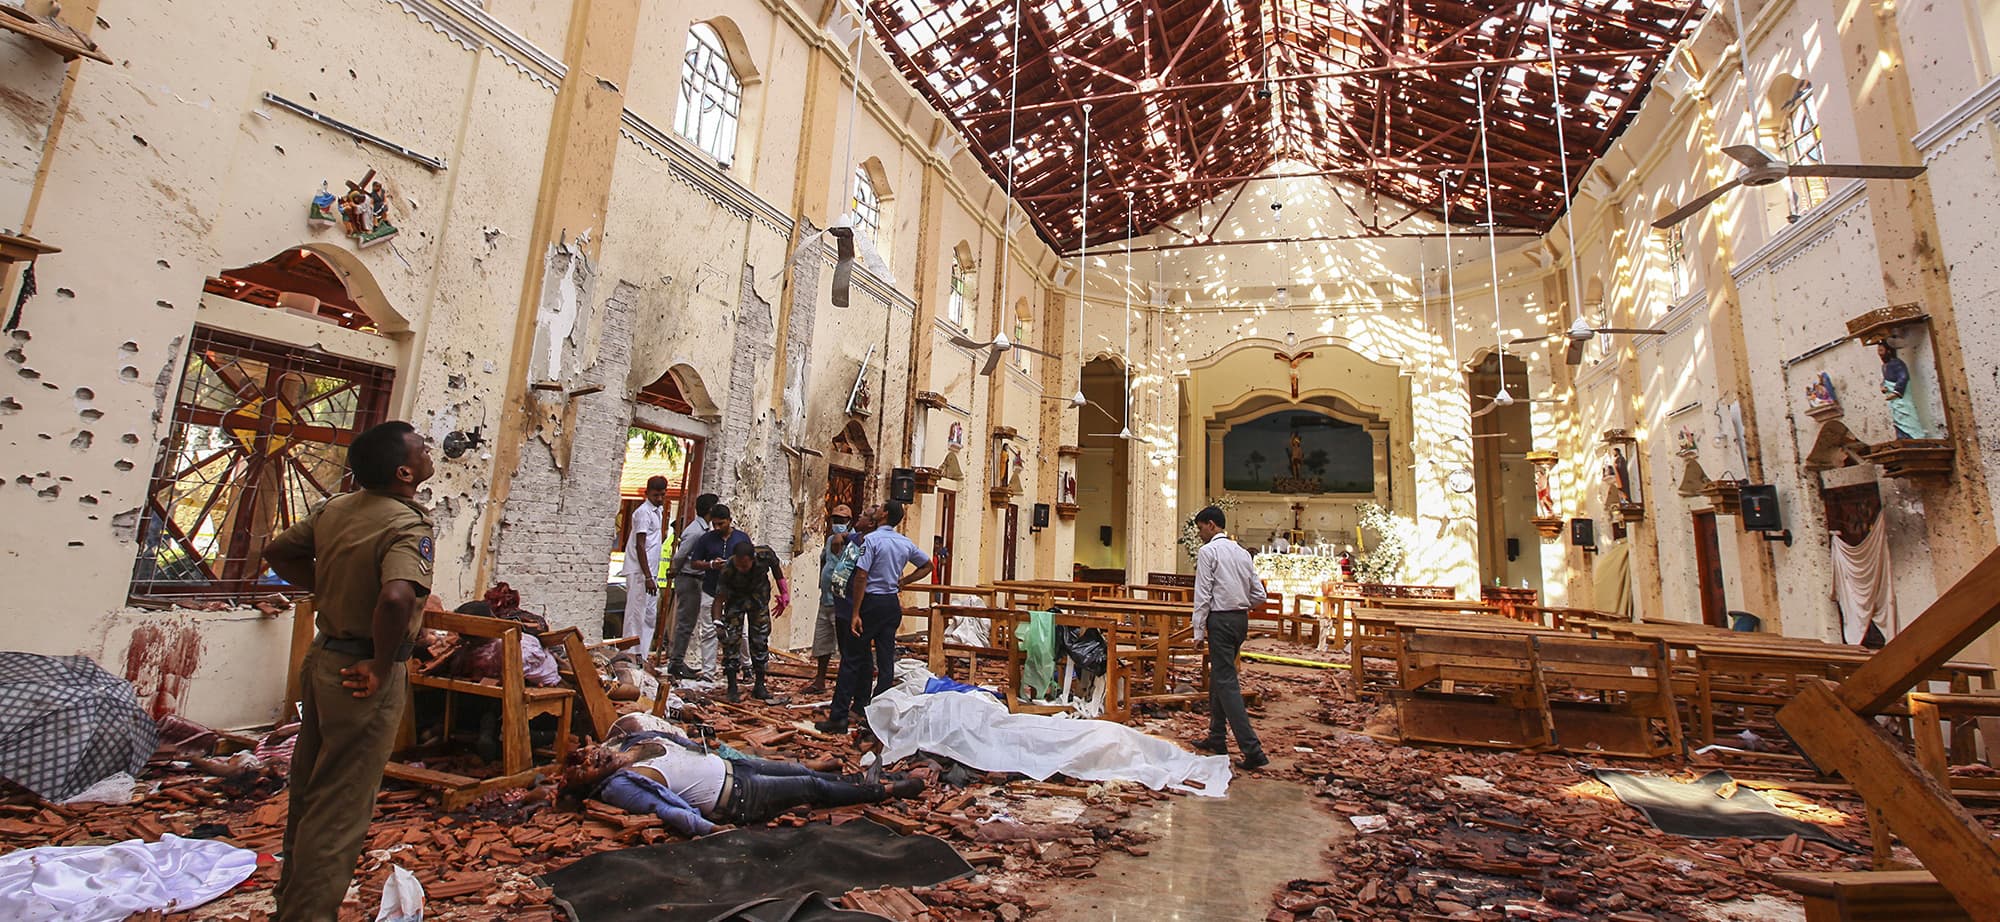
<point x="711" y="95"/>
<point x="258" y="437"/>
<point x="1799" y="142"/>
<point x="867" y="205"/>
<point x="1678" y="273"/>
<point x="961" y="287"/>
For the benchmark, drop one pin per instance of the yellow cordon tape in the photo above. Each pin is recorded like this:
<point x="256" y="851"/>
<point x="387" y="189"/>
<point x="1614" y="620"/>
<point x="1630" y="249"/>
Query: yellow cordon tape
<point x="1288" y="661"/>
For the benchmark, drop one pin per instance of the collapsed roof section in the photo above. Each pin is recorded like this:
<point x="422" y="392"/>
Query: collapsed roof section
<point x="1191" y="97"/>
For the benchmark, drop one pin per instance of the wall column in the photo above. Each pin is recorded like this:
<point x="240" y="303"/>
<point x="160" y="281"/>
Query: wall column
<point x="571" y="204"/>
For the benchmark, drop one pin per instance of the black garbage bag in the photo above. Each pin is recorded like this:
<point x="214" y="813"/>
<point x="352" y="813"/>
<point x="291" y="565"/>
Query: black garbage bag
<point x="1083" y="646"/>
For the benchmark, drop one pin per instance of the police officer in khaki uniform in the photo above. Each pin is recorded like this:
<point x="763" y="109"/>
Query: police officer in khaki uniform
<point x="366" y="556"/>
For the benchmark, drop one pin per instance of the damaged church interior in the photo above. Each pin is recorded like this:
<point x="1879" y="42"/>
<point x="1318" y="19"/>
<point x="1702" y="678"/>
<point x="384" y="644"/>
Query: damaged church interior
<point x="985" y="460"/>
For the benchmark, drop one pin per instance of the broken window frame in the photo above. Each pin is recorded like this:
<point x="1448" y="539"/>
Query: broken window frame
<point x="1799" y="141"/>
<point x="711" y="95"/>
<point x="866" y="205"/>
<point x="227" y="563"/>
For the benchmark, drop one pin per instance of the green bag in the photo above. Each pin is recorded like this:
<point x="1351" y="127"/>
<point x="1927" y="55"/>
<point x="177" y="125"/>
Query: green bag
<point x="1037" y="639"/>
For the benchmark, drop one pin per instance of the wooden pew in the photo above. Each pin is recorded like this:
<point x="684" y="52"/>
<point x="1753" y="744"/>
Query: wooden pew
<point x="941" y="649"/>
<point x="1873" y="896"/>
<point x="1117" y="694"/>
<point x="1535" y="691"/>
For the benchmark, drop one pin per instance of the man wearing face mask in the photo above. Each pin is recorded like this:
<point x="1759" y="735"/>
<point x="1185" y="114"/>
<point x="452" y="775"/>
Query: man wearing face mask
<point x="826" y="636"/>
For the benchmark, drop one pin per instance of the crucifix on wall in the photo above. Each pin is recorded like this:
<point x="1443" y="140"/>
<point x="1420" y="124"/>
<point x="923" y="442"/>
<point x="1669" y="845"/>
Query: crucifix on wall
<point x="1293" y="362"/>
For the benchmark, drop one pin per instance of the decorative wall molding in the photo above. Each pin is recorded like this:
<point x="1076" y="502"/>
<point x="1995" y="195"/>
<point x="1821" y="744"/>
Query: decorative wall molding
<point x="471" y="28"/>
<point x="1804" y="237"/>
<point x="1962" y="120"/>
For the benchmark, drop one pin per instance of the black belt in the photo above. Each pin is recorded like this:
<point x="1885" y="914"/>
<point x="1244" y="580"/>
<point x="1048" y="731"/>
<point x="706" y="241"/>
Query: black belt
<point x="359" y="646"/>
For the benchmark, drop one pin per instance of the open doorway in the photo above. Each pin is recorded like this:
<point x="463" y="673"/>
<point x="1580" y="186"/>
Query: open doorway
<point x="1103" y="482"/>
<point x="653" y="450"/>
<point x="1505" y="481"/>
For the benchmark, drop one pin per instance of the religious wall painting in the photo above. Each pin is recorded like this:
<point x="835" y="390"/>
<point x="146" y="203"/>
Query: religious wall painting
<point x="1822" y="401"/>
<point x="1298" y="451"/>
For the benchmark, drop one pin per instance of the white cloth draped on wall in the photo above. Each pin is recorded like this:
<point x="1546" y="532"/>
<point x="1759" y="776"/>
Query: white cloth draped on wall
<point x="1864" y="585"/>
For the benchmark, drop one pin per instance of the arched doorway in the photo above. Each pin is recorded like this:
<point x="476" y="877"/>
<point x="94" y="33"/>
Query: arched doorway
<point x="1104" y="479"/>
<point x="268" y="401"/>
<point x="1509" y="547"/>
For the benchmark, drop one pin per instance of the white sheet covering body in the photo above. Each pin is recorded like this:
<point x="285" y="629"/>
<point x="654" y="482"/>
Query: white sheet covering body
<point x="977" y="730"/>
<point x="87" y="883"/>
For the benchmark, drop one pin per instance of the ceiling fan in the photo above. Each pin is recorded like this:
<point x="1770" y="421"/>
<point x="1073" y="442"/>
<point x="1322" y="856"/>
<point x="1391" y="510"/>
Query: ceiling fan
<point x="1762" y="169"/>
<point x="998" y="345"/>
<point x="1579" y="334"/>
<point x="1503" y="399"/>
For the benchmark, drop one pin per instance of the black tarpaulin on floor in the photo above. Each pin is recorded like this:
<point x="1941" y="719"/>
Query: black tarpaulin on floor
<point x="757" y="874"/>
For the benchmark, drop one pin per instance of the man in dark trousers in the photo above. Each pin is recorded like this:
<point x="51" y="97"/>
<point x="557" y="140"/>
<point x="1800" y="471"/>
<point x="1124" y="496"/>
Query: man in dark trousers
<point x="1226" y="587"/>
<point x="366" y="556"/>
<point x="876" y="589"/>
<point x="743" y="599"/>
<point x="687" y="587"/>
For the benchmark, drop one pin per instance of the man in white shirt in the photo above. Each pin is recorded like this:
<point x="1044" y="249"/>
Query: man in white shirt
<point x="642" y="563"/>
<point x="1226" y="587"/>
<point x="688" y="605"/>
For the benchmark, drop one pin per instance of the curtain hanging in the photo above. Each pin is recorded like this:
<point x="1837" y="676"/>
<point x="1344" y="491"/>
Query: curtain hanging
<point x="1613" y="580"/>
<point x="1863" y="584"/>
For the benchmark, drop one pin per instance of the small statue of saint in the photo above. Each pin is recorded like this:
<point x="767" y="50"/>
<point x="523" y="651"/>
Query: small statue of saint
<point x="1896" y="390"/>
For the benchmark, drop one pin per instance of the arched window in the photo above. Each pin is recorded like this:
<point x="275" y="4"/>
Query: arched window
<point x="1679" y="276"/>
<point x="1024" y="330"/>
<point x="711" y="95"/>
<point x="961" y="291"/>
<point x="1799" y="142"/>
<point x="867" y="204"/>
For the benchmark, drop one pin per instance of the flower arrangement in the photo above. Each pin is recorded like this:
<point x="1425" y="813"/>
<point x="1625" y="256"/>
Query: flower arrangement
<point x="1190" y="540"/>
<point x="1383" y="563"/>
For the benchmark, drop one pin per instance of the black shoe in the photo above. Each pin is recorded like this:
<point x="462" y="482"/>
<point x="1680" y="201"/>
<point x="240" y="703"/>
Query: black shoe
<point x="681" y="671"/>
<point x="1253" y="763"/>
<point x="731" y="693"/>
<point x="1211" y="747"/>
<point x="834" y="727"/>
<point x="759" y="692"/>
<point x="906" y="788"/>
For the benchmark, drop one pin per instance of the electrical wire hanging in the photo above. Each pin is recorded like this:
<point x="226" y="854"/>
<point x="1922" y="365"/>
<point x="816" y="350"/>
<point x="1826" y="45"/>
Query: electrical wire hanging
<point x="1500" y="398"/>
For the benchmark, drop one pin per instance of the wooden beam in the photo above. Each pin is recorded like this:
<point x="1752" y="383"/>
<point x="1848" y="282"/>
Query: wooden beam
<point x="1944" y="835"/>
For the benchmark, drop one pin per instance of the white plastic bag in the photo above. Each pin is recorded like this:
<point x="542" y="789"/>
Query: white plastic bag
<point x="116" y="789"/>
<point x="402" y="898"/>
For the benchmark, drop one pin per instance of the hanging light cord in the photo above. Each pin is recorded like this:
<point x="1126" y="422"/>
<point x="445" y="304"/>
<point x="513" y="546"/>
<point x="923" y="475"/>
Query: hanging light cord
<point x="1562" y="153"/>
<point x="1492" y="247"/>
<point x="1082" y="243"/>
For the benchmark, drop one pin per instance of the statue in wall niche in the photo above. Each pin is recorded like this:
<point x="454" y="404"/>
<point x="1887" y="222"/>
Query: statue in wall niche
<point x="955" y="436"/>
<point x="1618" y="477"/>
<point x="1896" y="390"/>
<point x="1298" y="454"/>
<point x="1068" y="487"/>
<point x="1545" y="499"/>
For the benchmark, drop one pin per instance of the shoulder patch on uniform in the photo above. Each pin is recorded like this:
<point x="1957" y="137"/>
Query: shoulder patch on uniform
<point x="427" y="551"/>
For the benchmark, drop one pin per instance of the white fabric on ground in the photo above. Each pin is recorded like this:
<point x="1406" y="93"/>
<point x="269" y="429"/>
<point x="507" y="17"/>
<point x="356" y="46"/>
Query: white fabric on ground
<point x="976" y="729"/>
<point x="87" y="883"/>
<point x="1863" y="584"/>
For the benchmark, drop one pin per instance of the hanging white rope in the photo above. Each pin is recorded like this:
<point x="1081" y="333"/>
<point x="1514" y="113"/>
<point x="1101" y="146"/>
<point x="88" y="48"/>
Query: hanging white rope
<point x="1007" y="208"/>
<point x="1562" y="155"/>
<point x="1126" y="430"/>
<point x="1083" y="261"/>
<point x="1501" y="396"/>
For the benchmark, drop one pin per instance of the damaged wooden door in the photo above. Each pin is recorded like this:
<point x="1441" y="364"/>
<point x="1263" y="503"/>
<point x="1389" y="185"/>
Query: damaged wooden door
<point x="1708" y="570"/>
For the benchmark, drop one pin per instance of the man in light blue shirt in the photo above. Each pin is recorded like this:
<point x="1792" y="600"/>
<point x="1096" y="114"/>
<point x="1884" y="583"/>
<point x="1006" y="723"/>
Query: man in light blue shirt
<point x="868" y="640"/>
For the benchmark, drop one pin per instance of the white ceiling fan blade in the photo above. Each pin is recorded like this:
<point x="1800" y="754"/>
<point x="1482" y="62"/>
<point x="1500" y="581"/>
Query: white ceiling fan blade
<point x="1035" y="350"/>
<point x="1490" y="407"/>
<point x="1524" y="340"/>
<point x="992" y="362"/>
<point x="1751" y="156"/>
<point x="1574" y="354"/>
<point x="967" y="342"/>
<point x="1856" y="170"/>
<point x="1631" y="331"/>
<point x="1698" y="203"/>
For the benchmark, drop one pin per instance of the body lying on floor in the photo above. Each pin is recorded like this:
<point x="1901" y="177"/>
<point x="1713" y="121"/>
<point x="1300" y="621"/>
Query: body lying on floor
<point x="654" y="769"/>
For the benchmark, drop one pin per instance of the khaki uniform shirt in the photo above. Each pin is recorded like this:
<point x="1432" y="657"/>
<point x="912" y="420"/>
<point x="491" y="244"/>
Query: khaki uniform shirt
<point x="358" y="542"/>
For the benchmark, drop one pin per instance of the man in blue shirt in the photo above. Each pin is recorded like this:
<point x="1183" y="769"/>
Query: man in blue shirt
<point x="868" y="640"/>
